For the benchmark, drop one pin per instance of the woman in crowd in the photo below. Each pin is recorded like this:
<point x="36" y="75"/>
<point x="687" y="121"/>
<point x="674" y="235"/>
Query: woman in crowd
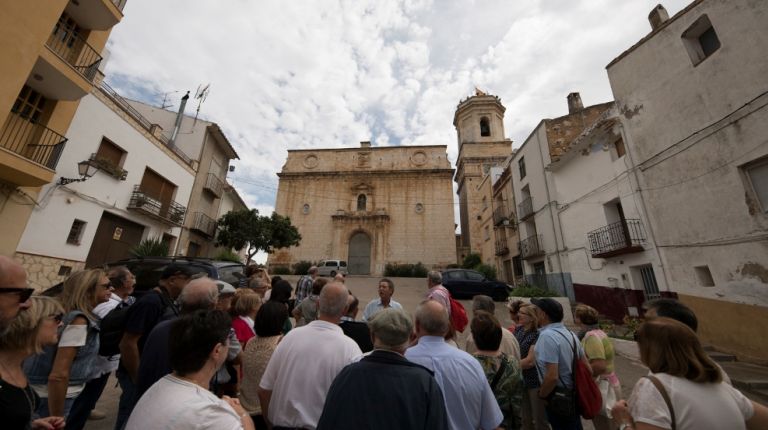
<point x="256" y="355"/>
<point x="59" y="374"/>
<point x="503" y="373"/>
<point x="281" y="293"/>
<point x="28" y="333"/>
<point x="683" y="373"/>
<point x="244" y="308"/>
<point x="514" y="313"/>
<point x="306" y="312"/>
<point x="599" y="350"/>
<point x="527" y="333"/>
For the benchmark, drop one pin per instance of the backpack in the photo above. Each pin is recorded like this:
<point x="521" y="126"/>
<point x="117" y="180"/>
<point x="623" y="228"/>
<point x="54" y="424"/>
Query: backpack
<point x="113" y="325"/>
<point x="588" y="397"/>
<point x="459" y="318"/>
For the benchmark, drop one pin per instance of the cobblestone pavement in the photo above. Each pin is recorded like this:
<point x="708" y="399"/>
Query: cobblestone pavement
<point x="408" y="292"/>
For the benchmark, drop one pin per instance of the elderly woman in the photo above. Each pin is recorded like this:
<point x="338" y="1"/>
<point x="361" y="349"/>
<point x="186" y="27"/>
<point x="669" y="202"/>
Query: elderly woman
<point x="27" y="334"/>
<point x="527" y="333"/>
<point x="503" y="373"/>
<point x="599" y="350"/>
<point x="244" y="308"/>
<point x="59" y="374"/>
<point x="685" y="389"/>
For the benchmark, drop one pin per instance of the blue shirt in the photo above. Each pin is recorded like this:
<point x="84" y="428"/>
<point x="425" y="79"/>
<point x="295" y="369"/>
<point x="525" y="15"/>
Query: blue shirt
<point x="375" y="306"/>
<point x="555" y="346"/>
<point x="468" y="397"/>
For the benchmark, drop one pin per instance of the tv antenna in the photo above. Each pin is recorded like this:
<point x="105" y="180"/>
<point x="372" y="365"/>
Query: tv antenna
<point x="166" y="102"/>
<point x="201" y="94"/>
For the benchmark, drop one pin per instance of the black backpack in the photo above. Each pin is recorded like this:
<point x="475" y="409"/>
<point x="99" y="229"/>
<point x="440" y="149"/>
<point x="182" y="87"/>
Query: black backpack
<point x="113" y="325"/>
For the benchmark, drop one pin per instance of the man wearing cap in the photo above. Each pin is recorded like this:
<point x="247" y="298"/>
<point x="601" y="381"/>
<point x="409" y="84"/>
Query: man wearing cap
<point x="153" y="307"/>
<point x="554" y="358"/>
<point x="384" y="390"/>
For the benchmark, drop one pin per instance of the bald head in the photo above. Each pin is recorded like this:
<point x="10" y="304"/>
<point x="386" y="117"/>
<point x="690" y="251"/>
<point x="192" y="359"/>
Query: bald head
<point x="432" y="319"/>
<point x="333" y="302"/>
<point x="12" y="275"/>
<point x="199" y="294"/>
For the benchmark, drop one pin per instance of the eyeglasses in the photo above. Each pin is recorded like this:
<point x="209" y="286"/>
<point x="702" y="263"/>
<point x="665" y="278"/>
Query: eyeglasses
<point x="57" y="317"/>
<point x="24" y="293"/>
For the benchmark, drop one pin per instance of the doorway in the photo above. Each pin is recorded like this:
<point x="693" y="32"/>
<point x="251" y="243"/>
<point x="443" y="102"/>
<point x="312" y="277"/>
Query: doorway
<point x="360" y="254"/>
<point x="115" y="237"/>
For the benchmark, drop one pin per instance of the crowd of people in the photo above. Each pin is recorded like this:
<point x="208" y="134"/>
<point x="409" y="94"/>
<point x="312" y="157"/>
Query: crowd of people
<point x="199" y="353"/>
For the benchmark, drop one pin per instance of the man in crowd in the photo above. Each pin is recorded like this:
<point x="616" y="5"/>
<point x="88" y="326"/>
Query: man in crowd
<point x="14" y="292"/>
<point x="554" y="358"/>
<point x="468" y="397"/>
<point x="304" y="286"/>
<point x="386" y="290"/>
<point x="300" y="372"/>
<point x="143" y="316"/>
<point x="357" y="330"/>
<point x="181" y="400"/>
<point x="437" y="291"/>
<point x="384" y="390"/>
<point x="509" y="344"/>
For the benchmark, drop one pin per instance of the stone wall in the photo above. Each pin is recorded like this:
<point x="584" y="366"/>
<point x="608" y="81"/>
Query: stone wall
<point x="43" y="272"/>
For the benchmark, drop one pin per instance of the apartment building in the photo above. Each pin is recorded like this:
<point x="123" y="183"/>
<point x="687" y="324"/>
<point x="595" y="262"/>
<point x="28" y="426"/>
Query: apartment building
<point x="505" y="238"/>
<point x="51" y="53"/>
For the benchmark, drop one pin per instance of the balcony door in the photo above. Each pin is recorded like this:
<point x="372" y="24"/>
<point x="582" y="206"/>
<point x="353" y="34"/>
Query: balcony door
<point x="158" y="188"/>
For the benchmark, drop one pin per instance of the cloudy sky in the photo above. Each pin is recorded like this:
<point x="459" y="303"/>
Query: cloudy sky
<point x="331" y="73"/>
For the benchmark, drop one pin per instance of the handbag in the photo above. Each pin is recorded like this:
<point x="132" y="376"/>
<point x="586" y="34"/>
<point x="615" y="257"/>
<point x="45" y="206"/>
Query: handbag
<point x="561" y="402"/>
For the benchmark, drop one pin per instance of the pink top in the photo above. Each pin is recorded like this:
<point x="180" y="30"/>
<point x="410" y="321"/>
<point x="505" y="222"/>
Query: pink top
<point x="243" y="330"/>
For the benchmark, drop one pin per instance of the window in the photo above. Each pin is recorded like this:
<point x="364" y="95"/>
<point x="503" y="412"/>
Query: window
<point x="65" y="270"/>
<point x="485" y="127"/>
<point x="618" y="145"/>
<point x="487" y="234"/>
<point x="30" y="105"/>
<point x="109" y="158"/>
<point x="704" y="276"/>
<point x="757" y="176"/>
<point x="305" y="209"/>
<point x="485" y="203"/>
<point x="330" y="264"/>
<point x="517" y="264"/>
<point x="361" y="202"/>
<point x="475" y="276"/>
<point x="76" y="232"/>
<point x="193" y="249"/>
<point x="700" y="40"/>
<point x="521" y="167"/>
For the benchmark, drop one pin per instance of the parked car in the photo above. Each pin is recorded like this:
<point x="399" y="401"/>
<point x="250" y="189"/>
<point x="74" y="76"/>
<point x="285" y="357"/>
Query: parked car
<point x="331" y="267"/>
<point x="147" y="271"/>
<point x="464" y="283"/>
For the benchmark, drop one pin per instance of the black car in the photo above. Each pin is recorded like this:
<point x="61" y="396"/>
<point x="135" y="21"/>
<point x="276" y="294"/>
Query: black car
<point x="463" y="283"/>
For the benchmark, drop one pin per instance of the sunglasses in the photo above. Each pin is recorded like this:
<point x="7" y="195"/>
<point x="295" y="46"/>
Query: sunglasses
<point x="24" y="293"/>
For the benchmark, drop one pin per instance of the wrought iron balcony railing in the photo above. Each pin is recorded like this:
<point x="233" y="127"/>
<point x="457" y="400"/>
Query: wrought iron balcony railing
<point x="214" y="185"/>
<point x="73" y="49"/>
<point x="203" y="224"/>
<point x="501" y="243"/>
<point x="32" y="141"/>
<point x="167" y="212"/>
<point x="525" y="208"/>
<point x="501" y="216"/>
<point x="623" y="237"/>
<point x="531" y="247"/>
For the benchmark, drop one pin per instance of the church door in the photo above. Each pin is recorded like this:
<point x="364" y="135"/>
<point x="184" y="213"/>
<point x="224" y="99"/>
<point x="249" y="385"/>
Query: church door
<point x="360" y="254"/>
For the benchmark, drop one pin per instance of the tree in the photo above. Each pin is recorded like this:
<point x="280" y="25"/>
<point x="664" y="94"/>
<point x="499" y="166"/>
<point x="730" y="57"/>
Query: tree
<point x="246" y="228"/>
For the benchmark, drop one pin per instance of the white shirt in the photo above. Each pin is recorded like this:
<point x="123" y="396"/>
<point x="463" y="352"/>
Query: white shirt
<point x="301" y="371"/>
<point x="696" y="405"/>
<point x="173" y="403"/>
<point x="375" y="305"/>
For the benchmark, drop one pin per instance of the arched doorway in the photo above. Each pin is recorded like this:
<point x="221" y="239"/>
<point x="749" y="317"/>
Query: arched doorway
<point x="360" y="254"/>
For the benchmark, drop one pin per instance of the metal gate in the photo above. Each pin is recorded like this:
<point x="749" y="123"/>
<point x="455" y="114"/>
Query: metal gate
<point x="360" y="254"/>
<point x="650" y="287"/>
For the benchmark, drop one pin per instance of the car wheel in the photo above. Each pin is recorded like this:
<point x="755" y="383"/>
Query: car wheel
<point x="333" y="274"/>
<point x="501" y="296"/>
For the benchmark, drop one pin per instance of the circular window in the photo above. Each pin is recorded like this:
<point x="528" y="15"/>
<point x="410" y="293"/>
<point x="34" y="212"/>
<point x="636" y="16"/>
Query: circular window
<point x="305" y="209"/>
<point x="310" y="161"/>
<point x="419" y="208"/>
<point x="419" y="158"/>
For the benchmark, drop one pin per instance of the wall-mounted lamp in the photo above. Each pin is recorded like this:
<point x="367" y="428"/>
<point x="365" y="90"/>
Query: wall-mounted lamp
<point x="85" y="168"/>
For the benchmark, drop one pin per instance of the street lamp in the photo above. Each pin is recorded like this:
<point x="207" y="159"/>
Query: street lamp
<point x="85" y="168"/>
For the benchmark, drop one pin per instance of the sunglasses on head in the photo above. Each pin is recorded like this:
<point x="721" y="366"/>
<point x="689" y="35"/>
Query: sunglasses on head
<point x="24" y="293"/>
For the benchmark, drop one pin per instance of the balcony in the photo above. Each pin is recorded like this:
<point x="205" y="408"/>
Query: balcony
<point x="214" y="185"/>
<point x="501" y="244"/>
<point x="532" y="246"/>
<point x="166" y="212"/>
<point x="623" y="237"/>
<point x="203" y="224"/>
<point x="37" y="150"/>
<point x="96" y="14"/>
<point x="108" y="167"/>
<point x="501" y="216"/>
<point x="525" y="208"/>
<point x="73" y="49"/>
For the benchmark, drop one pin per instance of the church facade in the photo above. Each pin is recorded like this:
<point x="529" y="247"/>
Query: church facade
<point x="370" y="206"/>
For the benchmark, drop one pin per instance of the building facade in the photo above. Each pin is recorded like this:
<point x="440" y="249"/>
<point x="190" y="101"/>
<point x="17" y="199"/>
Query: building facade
<point x="370" y="206"/>
<point x="505" y="238"/>
<point x="51" y="53"/>
<point x="692" y="100"/>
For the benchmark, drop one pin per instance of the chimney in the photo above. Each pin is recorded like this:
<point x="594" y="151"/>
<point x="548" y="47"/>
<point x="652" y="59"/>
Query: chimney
<point x="658" y="16"/>
<point x="365" y="144"/>
<point x="179" y="117"/>
<point x="574" y="103"/>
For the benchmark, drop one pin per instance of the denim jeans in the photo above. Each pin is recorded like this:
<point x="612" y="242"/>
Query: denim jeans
<point x="127" y="398"/>
<point x="85" y="402"/>
<point x="42" y="408"/>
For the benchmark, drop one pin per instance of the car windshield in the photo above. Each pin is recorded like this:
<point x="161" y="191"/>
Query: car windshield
<point x="227" y="273"/>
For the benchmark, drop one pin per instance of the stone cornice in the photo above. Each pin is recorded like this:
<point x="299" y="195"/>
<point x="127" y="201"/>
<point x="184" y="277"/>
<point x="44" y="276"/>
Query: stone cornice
<point x="369" y="173"/>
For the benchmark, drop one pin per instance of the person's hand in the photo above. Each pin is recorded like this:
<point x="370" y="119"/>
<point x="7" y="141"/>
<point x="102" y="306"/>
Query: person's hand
<point x="48" y="423"/>
<point x="620" y="412"/>
<point x="235" y="403"/>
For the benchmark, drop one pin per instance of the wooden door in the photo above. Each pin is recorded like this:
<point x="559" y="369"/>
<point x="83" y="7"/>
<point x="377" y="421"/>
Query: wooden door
<point x="115" y="237"/>
<point x="360" y="254"/>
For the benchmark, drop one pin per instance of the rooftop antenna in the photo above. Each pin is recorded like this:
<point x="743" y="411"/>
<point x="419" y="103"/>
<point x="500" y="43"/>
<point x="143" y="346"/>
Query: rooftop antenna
<point x="201" y="94"/>
<point x="166" y="103"/>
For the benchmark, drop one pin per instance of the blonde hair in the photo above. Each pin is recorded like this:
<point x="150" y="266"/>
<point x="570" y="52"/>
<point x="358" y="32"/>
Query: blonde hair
<point x="245" y="303"/>
<point x="80" y="291"/>
<point x="22" y="333"/>
<point x="586" y="314"/>
<point x="530" y="311"/>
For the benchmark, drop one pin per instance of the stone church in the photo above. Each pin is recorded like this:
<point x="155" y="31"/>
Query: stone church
<point x="369" y="206"/>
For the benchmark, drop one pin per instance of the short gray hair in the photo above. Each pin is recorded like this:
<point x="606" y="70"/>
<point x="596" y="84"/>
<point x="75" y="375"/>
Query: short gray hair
<point x="199" y="294"/>
<point x="312" y="270"/>
<point x="435" y="277"/>
<point x="333" y="300"/>
<point x="392" y="328"/>
<point x="432" y="317"/>
<point x="483" y="303"/>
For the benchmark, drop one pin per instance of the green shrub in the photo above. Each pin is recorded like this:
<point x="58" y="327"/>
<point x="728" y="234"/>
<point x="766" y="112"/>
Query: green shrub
<point x="487" y="270"/>
<point x="471" y="261"/>
<point x="150" y="247"/>
<point x="453" y="266"/>
<point x="301" y="267"/>
<point x="526" y="290"/>
<point x="227" y="255"/>
<point x="281" y="270"/>
<point x="417" y="270"/>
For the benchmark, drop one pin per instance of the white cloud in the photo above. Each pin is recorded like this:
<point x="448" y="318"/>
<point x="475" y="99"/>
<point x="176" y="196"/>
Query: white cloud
<point x="331" y="73"/>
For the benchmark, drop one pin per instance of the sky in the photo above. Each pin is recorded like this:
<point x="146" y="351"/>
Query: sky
<point x="331" y="73"/>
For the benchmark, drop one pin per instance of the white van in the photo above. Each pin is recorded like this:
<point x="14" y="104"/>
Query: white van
<point x="331" y="267"/>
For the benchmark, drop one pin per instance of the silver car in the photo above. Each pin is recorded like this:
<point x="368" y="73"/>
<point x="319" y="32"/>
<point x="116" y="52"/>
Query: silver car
<point x="331" y="268"/>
